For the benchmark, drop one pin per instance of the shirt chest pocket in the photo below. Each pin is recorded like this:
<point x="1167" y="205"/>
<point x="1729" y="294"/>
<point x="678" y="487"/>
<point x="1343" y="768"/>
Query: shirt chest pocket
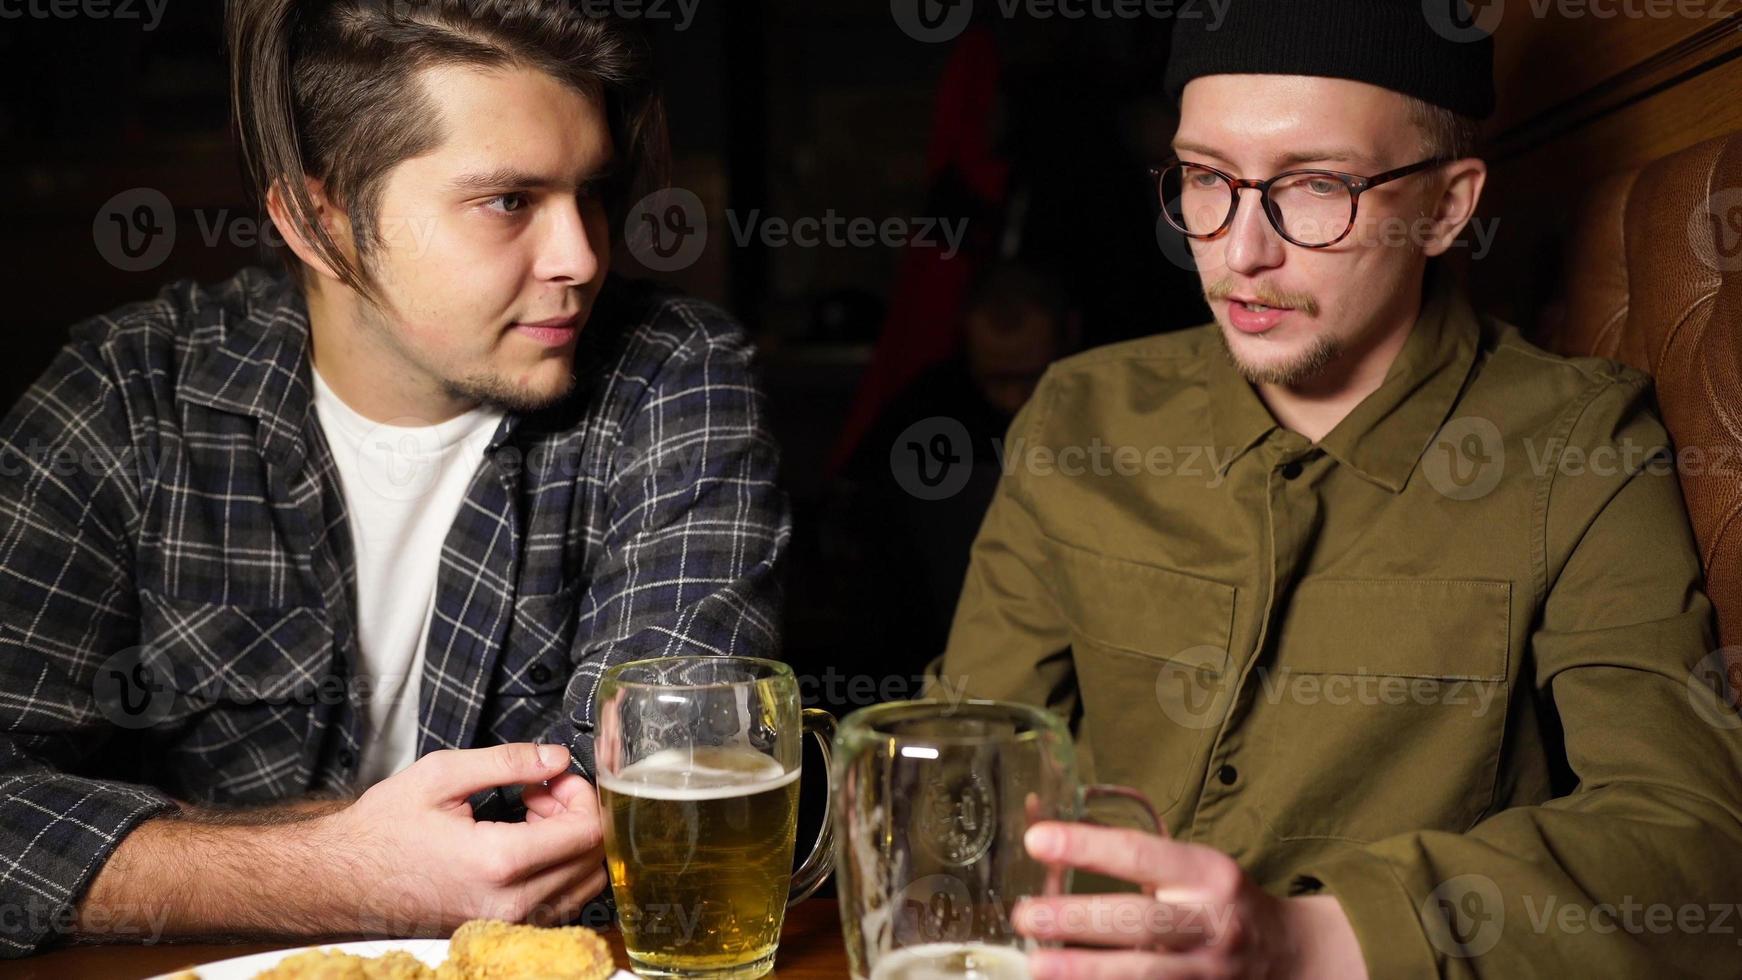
<point x="1150" y="646"/>
<point x="228" y="695"/>
<point x="537" y="662"/>
<point x="1384" y="709"/>
<point x="218" y="653"/>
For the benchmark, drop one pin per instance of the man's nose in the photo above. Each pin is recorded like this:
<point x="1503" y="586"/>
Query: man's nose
<point x="569" y="251"/>
<point x="1252" y="243"/>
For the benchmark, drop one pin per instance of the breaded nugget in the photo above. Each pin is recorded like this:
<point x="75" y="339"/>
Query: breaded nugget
<point x="326" y="964"/>
<point x="484" y="949"/>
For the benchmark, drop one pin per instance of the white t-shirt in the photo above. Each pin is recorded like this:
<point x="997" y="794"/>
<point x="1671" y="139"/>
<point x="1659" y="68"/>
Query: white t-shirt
<point x="403" y="484"/>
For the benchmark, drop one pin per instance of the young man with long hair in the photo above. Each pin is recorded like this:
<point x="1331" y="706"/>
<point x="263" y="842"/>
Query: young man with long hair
<point x="310" y="647"/>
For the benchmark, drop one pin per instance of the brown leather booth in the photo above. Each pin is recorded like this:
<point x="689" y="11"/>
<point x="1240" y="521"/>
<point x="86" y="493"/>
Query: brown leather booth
<point x="1653" y="279"/>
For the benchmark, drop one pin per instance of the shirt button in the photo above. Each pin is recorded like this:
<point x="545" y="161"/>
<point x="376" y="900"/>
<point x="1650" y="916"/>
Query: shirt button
<point x="1291" y="469"/>
<point x="1227" y="775"/>
<point x="347" y="759"/>
<point x="540" y="673"/>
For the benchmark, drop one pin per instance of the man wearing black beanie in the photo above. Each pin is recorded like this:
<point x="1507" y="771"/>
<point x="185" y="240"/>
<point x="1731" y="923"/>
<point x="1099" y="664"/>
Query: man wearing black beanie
<point x="1396" y="618"/>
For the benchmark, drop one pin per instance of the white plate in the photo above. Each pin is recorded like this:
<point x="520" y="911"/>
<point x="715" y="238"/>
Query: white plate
<point x="431" y="951"/>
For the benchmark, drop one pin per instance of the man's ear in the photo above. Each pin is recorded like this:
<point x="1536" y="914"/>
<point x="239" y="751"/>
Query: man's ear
<point x="1461" y="192"/>
<point x="300" y="238"/>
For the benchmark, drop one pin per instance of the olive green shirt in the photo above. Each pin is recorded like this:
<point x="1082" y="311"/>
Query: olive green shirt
<point x="1447" y="663"/>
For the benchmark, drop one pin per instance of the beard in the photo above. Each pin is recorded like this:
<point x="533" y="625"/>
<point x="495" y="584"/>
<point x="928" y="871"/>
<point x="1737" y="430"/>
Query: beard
<point x="1297" y="370"/>
<point x="491" y="391"/>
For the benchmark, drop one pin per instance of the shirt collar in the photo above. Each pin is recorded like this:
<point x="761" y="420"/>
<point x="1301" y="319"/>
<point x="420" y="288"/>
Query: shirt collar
<point x="1384" y="437"/>
<point x="260" y="366"/>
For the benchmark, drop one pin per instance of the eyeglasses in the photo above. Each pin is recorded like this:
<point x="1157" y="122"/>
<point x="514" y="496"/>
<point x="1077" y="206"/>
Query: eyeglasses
<point x="1310" y="208"/>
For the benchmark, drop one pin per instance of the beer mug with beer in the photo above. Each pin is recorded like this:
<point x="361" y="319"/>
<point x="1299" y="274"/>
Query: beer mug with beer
<point x="698" y="769"/>
<point x="931" y="802"/>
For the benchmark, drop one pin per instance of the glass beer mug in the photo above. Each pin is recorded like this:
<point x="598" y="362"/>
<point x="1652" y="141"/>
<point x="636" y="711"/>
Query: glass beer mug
<point x="698" y="768"/>
<point x="931" y="802"/>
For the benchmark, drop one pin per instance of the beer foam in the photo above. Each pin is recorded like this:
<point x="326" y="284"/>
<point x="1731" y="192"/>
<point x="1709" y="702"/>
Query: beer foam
<point x="705" y="773"/>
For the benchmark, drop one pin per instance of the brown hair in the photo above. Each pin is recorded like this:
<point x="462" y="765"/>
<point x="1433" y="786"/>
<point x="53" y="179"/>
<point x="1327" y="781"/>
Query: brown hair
<point x="329" y="89"/>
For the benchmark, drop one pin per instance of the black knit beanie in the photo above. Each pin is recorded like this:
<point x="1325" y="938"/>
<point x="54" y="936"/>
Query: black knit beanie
<point x="1439" y="51"/>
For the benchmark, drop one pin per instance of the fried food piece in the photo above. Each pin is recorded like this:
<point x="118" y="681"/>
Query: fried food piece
<point x="326" y="964"/>
<point x="485" y="949"/>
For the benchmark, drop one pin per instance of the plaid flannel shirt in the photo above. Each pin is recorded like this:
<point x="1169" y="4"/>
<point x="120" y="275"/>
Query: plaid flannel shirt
<point x="175" y="565"/>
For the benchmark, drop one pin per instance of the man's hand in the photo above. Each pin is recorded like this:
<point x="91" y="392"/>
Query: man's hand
<point x="406" y="858"/>
<point x="444" y="867"/>
<point x="1199" y="915"/>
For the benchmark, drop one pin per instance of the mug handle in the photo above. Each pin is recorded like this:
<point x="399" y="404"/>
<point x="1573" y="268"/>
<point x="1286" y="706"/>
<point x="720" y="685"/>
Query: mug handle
<point x="1106" y="791"/>
<point x="816" y="868"/>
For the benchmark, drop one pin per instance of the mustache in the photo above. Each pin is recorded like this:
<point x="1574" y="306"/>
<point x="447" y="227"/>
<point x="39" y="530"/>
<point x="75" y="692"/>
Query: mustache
<point x="1265" y="293"/>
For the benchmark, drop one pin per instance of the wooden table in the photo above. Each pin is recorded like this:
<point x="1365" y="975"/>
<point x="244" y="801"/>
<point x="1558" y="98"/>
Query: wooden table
<point x="810" y="949"/>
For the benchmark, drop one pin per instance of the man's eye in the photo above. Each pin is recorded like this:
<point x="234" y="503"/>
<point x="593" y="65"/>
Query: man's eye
<point x="510" y="203"/>
<point x="1323" y="185"/>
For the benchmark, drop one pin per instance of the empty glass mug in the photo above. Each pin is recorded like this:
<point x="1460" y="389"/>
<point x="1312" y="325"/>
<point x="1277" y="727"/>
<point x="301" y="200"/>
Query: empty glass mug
<point x="698" y="770"/>
<point x="931" y="802"/>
